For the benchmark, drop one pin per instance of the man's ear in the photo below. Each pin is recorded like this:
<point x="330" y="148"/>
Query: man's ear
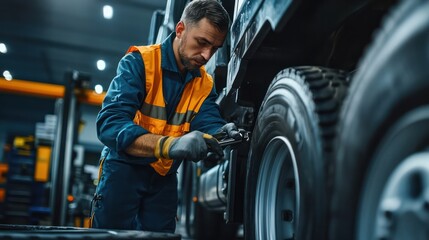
<point x="180" y="27"/>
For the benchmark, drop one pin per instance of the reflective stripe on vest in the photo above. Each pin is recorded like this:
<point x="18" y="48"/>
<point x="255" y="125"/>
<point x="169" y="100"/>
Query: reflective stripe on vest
<point x="153" y="115"/>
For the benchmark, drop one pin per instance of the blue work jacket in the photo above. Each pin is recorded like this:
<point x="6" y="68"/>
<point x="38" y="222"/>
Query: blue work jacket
<point x="115" y="126"/>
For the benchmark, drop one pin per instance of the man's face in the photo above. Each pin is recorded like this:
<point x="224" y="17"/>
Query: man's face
<point x="198" y="43"/>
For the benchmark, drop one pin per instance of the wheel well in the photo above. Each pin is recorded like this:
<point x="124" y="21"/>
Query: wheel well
<point x="337" y="43"/>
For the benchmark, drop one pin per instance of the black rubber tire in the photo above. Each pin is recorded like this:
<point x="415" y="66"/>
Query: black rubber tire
<point x="295" y="127"/>
<point x="385" y="123"/>
<point x="53" y="232"/>
<point x="200" y="223"/>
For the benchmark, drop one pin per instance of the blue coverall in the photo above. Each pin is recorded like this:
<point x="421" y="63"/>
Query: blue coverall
<point x="130" y="194"/>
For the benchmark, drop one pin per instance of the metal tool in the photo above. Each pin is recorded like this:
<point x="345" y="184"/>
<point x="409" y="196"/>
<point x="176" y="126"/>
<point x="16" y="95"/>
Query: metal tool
<point x="225" y="141"/>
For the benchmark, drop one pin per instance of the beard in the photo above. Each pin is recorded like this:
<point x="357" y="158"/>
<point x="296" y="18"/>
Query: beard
<point x="186" y="61"/>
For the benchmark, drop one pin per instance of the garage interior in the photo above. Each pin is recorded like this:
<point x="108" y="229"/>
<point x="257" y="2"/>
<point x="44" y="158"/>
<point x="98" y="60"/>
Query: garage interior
<point x="47" y="48"/>
<point x="332" y="95"/>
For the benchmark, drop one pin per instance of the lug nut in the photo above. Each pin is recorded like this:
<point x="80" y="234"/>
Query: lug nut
<point x="287" y="215"/>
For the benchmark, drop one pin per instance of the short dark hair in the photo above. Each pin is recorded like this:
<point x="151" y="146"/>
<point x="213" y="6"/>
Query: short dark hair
<point x="210" y="9"/>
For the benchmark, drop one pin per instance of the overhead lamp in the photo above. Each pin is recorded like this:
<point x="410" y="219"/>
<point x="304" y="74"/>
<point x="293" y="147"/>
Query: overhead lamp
<point x="3" y="48"/>
<point x="101" y="65"/>
<point x="107" y="11"/>
<point x="7" y="75"/>
<point x="98" y="89"/>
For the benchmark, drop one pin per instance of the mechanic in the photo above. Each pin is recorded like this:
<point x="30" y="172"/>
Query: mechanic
<point x="159" y="110"/>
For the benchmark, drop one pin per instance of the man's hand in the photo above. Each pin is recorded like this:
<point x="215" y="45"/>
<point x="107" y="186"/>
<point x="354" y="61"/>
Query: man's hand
<point x="231" y="130"/>
<point x="193" y="146"/>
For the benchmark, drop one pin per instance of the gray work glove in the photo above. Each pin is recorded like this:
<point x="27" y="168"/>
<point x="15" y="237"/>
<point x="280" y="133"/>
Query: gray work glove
<point x="192" y="146"/>
<point x="231" y="130"/>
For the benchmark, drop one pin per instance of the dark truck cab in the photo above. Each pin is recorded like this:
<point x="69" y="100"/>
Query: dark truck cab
<point x="334" y="94"/>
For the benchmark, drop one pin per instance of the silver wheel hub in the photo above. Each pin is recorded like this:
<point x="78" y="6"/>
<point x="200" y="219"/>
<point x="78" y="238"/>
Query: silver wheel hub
<point x="277" y="192"/>
<point x="404" y="205"/>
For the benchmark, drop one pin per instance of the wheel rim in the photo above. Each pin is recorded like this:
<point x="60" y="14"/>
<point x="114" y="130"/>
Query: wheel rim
<point x="277" y="192"/>
<point x="404" y="205"/>
<point x="395" y="203"/>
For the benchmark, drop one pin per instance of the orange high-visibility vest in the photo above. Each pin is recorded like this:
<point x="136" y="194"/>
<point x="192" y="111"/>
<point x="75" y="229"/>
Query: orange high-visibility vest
<point x="153" y="115"/>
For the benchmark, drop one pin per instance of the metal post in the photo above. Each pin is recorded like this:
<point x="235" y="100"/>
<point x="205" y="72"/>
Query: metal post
<point x="63" y="148"/>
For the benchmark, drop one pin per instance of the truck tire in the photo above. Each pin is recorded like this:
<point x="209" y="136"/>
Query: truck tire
<point x="382" y="168"/>
<point x="20" y="232"/>
<point x="286" y="180"/>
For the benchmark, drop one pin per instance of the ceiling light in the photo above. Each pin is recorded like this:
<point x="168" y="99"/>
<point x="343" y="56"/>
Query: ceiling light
<point x="101" y="65"/>
<point x="7" y="75"/>
<point x="3" y="48"/>
<point x="98" y="89"/>
<point x="107" y="11"/>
